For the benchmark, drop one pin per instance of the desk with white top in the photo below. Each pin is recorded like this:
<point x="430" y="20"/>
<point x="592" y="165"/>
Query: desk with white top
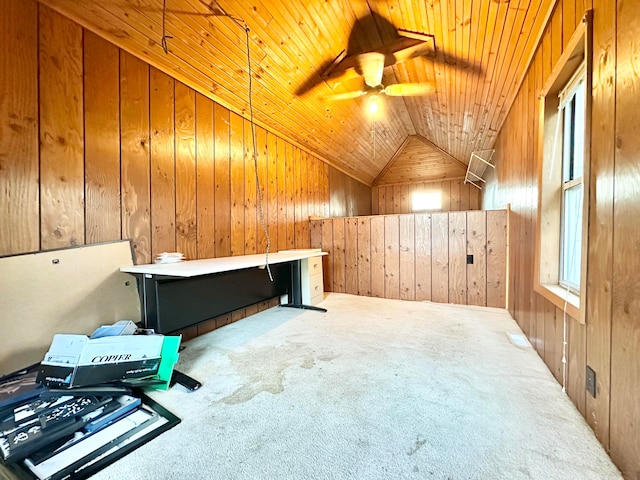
<point x="174" y="296"/>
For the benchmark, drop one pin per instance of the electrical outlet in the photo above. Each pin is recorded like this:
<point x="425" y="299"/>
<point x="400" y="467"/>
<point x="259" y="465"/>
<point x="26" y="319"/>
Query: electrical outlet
<point x="469" y="259"/>
<point x="591" y="381"/>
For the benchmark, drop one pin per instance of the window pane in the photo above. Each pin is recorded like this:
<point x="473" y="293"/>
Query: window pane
<point x="566" y="142"/>
<point x="578" y="141"/>
<point x="426" y="201"/>
<point x="571" y="236"/>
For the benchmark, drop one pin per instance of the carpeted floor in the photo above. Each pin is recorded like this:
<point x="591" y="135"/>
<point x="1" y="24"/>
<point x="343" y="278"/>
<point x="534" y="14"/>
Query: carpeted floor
<point x="372" y="389"/>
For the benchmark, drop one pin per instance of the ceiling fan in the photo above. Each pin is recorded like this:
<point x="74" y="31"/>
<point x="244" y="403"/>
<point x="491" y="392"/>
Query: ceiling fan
<point x="366" y="56"/>
<point x="371" y="64"/>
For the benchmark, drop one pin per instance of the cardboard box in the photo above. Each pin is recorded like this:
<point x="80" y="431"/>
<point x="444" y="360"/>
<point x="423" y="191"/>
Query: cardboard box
<point x="77" y="360"/>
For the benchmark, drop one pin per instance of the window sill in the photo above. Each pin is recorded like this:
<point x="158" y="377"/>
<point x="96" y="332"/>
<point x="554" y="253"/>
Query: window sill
<point x="561" y="299"/>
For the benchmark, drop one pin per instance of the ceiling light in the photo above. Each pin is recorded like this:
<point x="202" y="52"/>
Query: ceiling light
<point x="373" y="105"/>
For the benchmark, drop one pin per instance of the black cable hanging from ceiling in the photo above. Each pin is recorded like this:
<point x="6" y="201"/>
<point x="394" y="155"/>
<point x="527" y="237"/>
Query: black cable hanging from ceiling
<point x="165" y="37"/>
<point x="243" y="25"/>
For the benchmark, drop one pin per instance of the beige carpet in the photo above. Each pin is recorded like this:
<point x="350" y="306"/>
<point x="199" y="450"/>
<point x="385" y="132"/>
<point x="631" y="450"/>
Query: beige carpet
<point x="373" y="389"/>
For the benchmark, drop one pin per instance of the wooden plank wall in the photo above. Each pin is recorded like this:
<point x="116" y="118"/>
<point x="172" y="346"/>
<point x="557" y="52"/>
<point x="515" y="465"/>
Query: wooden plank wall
<point x="349" y="197"/>
<point x="417" y="256"/>
<point x="97" y="145"/>
<point x="456" y="196"/>
<point x="610" y="341"/>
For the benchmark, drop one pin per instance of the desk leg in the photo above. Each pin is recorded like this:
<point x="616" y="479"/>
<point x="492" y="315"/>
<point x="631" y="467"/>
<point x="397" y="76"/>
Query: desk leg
<point x="149" y="301"/>
<point x="296" y="289"/>
<point x="185" y="380"/>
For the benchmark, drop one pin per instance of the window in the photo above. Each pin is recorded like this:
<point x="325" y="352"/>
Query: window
<point x="563" y="182"/>
<point x="572" y="116"/>
<point x="421" y="201"/>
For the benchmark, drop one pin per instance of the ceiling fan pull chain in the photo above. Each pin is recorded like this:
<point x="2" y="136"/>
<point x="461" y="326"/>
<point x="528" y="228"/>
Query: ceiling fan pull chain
<point x="373" y="137"/>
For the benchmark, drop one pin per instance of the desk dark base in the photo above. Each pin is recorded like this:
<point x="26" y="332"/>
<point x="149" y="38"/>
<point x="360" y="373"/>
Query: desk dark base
<point x="304" y="307"/>
<point x="170" y="303"/>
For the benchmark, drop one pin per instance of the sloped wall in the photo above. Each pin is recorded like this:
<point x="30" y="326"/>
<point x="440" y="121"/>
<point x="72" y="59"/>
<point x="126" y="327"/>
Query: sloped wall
<point x="97" y="145"/>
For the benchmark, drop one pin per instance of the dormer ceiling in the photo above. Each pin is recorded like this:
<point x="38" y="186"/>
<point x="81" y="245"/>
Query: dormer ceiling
<point x="419" y="160"/>
<point x="467" y="58"/>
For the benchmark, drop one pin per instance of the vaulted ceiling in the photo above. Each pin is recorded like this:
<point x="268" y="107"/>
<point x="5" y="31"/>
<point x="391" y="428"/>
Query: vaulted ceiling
<point x="473" y="55"/>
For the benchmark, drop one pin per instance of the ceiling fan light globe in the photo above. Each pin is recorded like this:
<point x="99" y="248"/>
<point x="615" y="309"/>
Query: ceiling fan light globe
<point x="372" y="65"/>
<point x="374" y="105"/>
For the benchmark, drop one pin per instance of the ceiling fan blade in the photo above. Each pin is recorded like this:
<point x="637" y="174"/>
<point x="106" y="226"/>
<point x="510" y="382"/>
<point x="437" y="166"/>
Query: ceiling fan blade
<point x="372" y="65"/>
<point x="336" y="61"/>
<point x="408" y="89"/>
<point x="346" y="95"/>
<point x="451" y="61"/>
<point x="425" y="37"/>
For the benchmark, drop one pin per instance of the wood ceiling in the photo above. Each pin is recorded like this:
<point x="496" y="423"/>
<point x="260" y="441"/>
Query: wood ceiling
<point x="417" y="160"/>
<point x="482" y="49"/>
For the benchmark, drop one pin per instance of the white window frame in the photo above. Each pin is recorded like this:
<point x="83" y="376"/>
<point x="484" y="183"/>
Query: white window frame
<point x="567" y="100"/>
